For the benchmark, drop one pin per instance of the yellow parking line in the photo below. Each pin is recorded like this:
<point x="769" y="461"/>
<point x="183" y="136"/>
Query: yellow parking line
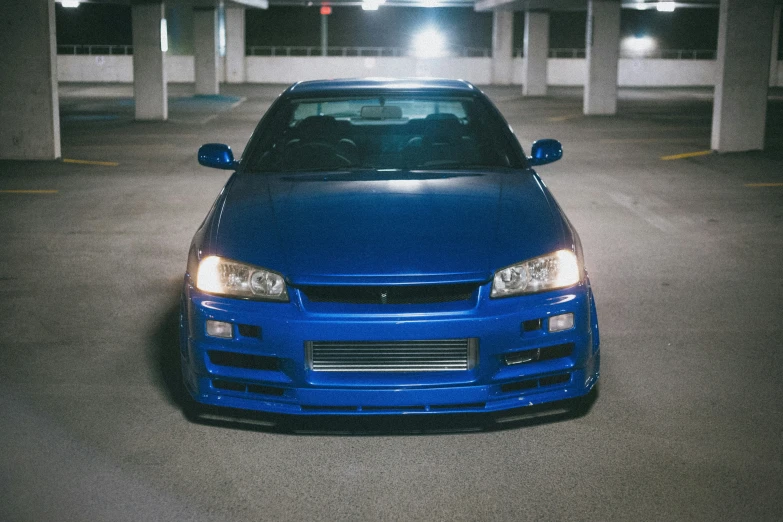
<point x="566" y="117"/>
<point x="686" y="155"/>
<point x="29" y="191"/>
<point x="90" y="162"/>
<point x="755" y="185"/>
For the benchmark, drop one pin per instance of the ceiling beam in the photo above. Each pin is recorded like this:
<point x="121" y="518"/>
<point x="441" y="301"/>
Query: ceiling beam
<point x="581" y="5"/>
<point x="258" y="4"/>
<point x="531" y="5"/>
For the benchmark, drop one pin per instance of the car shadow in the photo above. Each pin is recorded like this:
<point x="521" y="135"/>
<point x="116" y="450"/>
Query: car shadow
<point x="164" y="358"/>
<point x="166" y="367"/>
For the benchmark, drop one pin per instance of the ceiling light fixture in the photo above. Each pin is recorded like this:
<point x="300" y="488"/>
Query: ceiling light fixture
<point x="372" y="5"/>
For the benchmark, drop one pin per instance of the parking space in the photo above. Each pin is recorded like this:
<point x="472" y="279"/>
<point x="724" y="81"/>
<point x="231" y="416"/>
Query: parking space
<point x="683" y="249"/>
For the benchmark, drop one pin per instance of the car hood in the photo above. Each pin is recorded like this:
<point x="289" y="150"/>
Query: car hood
<point x="386" y="227"/>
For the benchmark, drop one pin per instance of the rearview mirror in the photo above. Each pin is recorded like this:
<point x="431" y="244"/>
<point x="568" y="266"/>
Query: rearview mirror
<point x="378" y="112"/>
<point x="545" y="151"/>
<point x="217" y="156"/>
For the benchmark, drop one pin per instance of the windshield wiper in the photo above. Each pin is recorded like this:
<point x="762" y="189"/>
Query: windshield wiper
<point x="455" y="165"/>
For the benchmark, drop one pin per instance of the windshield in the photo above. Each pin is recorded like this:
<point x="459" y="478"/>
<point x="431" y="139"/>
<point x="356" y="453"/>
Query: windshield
<point x="387" y="132"/>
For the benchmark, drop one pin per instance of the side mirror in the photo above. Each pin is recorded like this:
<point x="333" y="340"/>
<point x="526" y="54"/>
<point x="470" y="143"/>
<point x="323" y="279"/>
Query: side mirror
<point x="217" y="156"/>
<point x="545" y="151"/>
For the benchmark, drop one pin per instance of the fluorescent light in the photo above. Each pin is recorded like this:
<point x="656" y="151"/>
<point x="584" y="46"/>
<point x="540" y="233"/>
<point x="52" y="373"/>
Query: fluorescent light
<point x="222" y="32"/>
<point x="429" y="44"/>
<point x="666" y="7"/>
<point x="71" y="4"/>
<point x="164" y="35"/>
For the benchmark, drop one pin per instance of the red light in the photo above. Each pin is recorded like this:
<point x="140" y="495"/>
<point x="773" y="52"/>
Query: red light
<point x="326" y="10"/>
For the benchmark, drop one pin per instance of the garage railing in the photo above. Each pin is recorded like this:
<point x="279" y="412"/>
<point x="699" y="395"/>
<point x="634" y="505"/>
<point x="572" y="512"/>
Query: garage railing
<point x="94" y="49"/>
<point x="458" y="51"/>
<point x="310" y="50"/>
<point x="665" y="54"/>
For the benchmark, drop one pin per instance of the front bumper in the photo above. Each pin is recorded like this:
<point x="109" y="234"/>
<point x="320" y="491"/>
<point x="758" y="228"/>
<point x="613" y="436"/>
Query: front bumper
<point x="264" y="367"/>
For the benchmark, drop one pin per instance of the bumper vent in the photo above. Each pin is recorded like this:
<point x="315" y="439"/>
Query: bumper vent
<point x="415" y="294"/>
<point x="530" y="384"/>
<point x="243" y="360"/>
<point x="247" y="388"/>
<point x="249" y="330"/>
<point x="392" y="356"/>
<point x="540" y="354"/>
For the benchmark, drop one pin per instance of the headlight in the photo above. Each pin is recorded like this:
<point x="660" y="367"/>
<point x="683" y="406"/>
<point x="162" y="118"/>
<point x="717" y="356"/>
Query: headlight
<point x="556" y="270"/>
<point x="225" y="277"/>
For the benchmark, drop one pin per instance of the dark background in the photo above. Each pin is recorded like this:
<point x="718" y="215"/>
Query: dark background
<point x="388" y="27"/>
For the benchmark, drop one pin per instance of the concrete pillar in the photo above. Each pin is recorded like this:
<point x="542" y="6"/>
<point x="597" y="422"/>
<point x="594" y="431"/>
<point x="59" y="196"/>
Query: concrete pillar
<point x="740" y="108"/>
<point x="205" y="49"/>
<point x="603" y="53"/>
<point x="773" y="58"/>
<point x="29" y="108"/>
<point x="502" y="43"/>
<point x="235" y="44"/>
<point x="324" y="34"/>
<point x="536" y="53"/>
<point x="150" y="91"/>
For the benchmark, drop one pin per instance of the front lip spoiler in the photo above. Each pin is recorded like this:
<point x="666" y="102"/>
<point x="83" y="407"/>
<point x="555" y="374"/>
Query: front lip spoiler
<point x="415" y="423"/>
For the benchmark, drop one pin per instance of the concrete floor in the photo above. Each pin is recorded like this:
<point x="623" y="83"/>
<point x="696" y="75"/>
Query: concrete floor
<point x="685" y="259"/>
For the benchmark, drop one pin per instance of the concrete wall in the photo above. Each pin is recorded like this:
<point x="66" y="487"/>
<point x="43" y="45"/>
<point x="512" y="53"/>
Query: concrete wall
<point x="180" y="69"/>
<point x="267" y="69"/>
<point x="664" y="73"/>
<point x="636" y="72"/>
<point x="99" y="68"/>
<point x="566" y="71"/>
<point x="119" y="68"/>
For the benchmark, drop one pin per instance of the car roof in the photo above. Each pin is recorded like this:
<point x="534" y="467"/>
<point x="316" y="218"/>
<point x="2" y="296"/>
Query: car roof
<point x="358" y="85"/>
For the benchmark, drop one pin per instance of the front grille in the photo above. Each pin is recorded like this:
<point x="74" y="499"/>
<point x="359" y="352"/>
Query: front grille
<point x="414" y="294"/>
<point x="392" y="356"/>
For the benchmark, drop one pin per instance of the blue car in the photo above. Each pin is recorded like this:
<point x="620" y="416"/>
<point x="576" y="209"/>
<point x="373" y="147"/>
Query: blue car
<point x="384" y="247"/>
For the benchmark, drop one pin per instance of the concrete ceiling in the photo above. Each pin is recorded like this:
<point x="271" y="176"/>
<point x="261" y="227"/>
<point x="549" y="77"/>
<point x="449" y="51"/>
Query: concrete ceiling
<point x="581" y="5"/>
<point x="480" y="5"/>
<point x="261" y="4"/>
